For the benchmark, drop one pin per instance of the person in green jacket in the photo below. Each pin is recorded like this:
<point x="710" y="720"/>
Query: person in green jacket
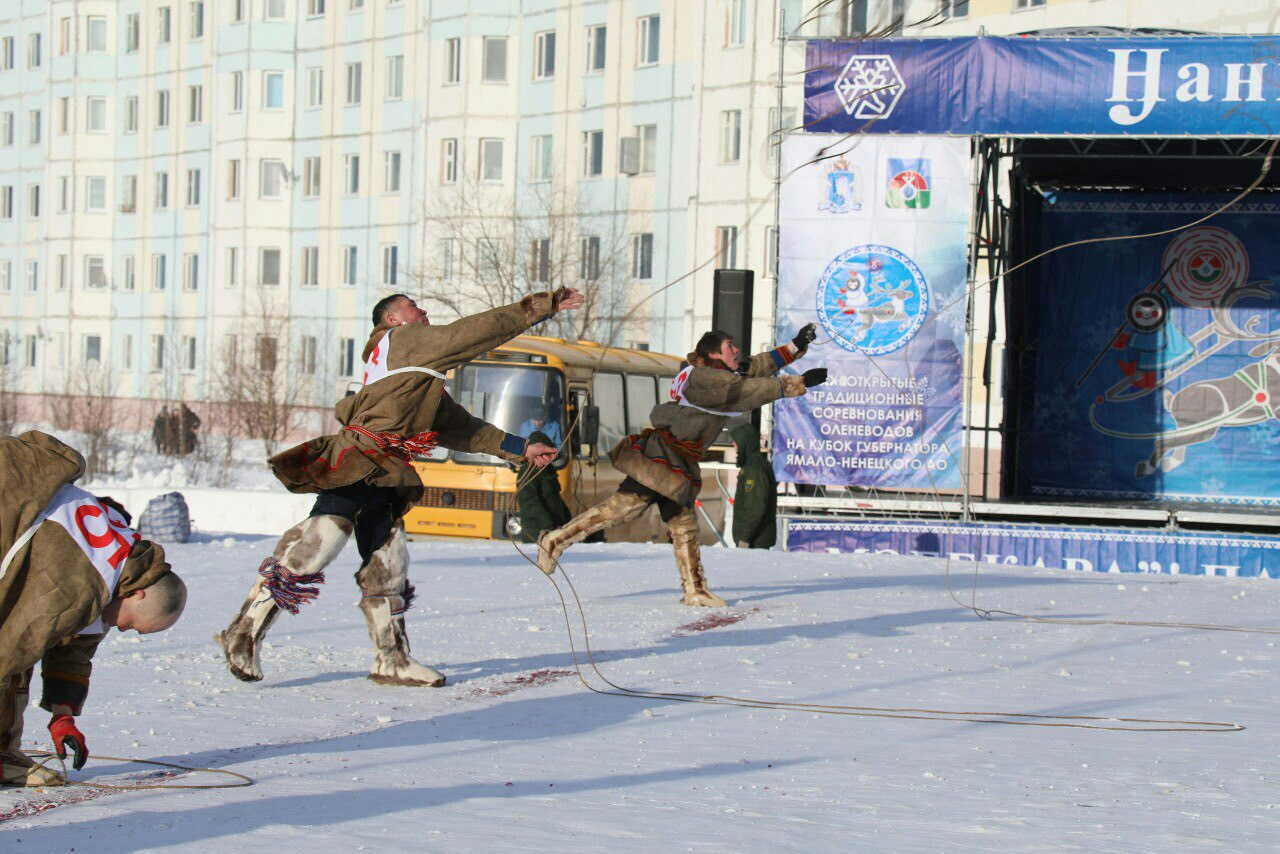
<point x="538" y="499"/>
<point x="755" y="501"/>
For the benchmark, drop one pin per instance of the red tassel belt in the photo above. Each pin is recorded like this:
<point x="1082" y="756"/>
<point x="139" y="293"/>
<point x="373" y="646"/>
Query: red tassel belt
<point x="691" y="450"/>
<point x="396" y="446"/>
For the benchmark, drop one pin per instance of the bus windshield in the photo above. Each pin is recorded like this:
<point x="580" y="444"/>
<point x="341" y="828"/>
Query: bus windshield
<point x="520" y="399"/>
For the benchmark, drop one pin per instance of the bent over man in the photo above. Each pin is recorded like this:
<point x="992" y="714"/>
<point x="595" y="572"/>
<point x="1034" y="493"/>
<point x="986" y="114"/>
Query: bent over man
<point x="71" y="569"/>
<point x="661" y="463"/>
<point x="365" y="479"/>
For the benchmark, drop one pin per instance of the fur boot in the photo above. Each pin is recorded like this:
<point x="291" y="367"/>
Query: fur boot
<point x="684" y="538"/>
<point x="385" y="594"/>
<point x="301" y="555"/>
<point x="617" y="509"/>
<point x="17" y="768"/>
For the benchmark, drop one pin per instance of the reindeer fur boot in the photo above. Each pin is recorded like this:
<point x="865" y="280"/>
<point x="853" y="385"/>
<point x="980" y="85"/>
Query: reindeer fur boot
<point x="617" y="509"/>
<point x="683" y="528"/>
<point x="17" y="769"/>
<point x="299" y="559"/>
<point x="385" y="594"/>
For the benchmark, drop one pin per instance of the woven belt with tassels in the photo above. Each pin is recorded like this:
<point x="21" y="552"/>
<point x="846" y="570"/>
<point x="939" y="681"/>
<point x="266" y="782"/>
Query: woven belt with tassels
<point x="690" y="450"/>
<point x="396" y="446"/>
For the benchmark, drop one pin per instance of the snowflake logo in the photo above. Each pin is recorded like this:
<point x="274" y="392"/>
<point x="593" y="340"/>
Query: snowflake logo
<point x="869" y="86"/>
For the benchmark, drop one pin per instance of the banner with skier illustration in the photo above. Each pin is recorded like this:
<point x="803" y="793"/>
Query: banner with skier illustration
<point x="873" y="249"/>
<point x="1157" y="366"/>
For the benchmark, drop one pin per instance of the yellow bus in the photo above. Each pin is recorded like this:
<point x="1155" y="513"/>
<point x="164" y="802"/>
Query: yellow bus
<point x="541" y="383"/>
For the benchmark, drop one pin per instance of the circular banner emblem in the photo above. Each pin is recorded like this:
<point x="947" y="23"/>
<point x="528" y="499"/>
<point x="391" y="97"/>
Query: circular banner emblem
<point x="872" y="299"/>
<point x="1206" y="263"/>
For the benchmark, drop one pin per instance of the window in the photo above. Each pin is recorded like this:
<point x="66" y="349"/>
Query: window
<point x="351" y="174"/>
<point x="188" y="352"/>
<point x="126" y="352"/>
<point x="541" y="166"/>
<point x="129" y="276"/>
<point x="33" y="201"/>
<point x="64" y="34"/>
<point x="395" y="77"/>
<point x="540" y="260"/>
<point x="193" y="186"/>
<point x="271" y="179"/>
<point x="196" y="12"/>
<point x="95" y="271"/>
<point x="233" y="179"/>
<point x="129" y="194"/>
<point x="391" y="171"/>
<point x="354" y="72"/>
<point x="727" y="247"/>
<point x="6" y="276"/>
<point x="390" y="263"/>
<point x="452" y="61"/>
<point x="781" y="122"/>
<point x="647" y="47"/>
<point x="953" y="8"/>
<point x="233" y="266"/>
<point x="164" y="22"/>
<point x="315" y="87"/>
<point x="490" y="160"/>
<point x="131" y="114"/>
<point x="96" y="41"/>
<point x="1027" y="4"/>
<point x="648" y="136"/>
<point x="162" y="108"/>
<point x="64" y="193"/>
<point x="449" y="161"/>
<point x="642" y="397"/>
<point x="162" y="190"/>
<point x="315" y="8"/>
<point x="273" y="10"/>
<point x="159" y="268"/>
<point x="7" y="125"/>
<point x="195" y="104"/>
<point x="596" y="48"/>
<point x="6" y="54"/>
<point x="237" y="10"/>
<point x="735" y="32"/>
<point x="191" y="272"/>
<point x="157" y="352"/>
<point x="269" y="266"/>
<point x="350" y="256"/>
<point x="448" y="258"/>
<point x="346" y="357"/>
<point x="237" y="91"/>
<point x="31" y="351"/>
<point x="495" y="60"/>
<point x="730" y="136"/>
<point x="544" y="56"/>
<point x="593" y="153"/>
<point x="6" y="202"/>
<point x="64" y="115"/>
<point x="92" y="349"/>
<point x="590" y="271"/>
<point x="33" y="276"/>
<point x="95" y="194"/>
<point x="34" y="117"/>
<point x="307" y="354"/>
<point x="33" y="50"/>
<point x="310" y="177"/>
<point x="310" y="266"/>
<point x="273" y="90"/>
<point x="355" y="5"/>
<point x="96" y="115"/>
<point x="642" y="256"/>
<point x="608" y="396"/>
<point x="132" y="33"/>
<point x="62" y="270"/>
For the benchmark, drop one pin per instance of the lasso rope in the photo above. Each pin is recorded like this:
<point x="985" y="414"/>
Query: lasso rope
<point x="240" y="780"/>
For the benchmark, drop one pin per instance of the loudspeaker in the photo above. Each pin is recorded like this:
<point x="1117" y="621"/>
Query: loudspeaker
<point x="731" y="308"/>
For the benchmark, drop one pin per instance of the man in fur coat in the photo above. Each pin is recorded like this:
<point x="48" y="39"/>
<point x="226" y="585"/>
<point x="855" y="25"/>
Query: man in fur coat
<point x="71" y="569"/>
<point x="365" y="479"/>
<point x="661" y="463"/>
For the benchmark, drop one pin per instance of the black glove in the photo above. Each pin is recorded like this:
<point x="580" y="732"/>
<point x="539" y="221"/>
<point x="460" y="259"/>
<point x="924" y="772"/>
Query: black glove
<point x="814" y="376"/>
<point x="806" y="336"/>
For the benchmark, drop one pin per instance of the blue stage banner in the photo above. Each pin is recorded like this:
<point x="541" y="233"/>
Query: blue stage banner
<point x="1157" y="361"/>
<point x="1189" y="86"/>
<point x="874" y="251"/>
<point x="1115" y="550"/>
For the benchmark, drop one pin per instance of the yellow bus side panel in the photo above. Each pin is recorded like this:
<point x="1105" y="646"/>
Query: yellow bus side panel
<point x="443" y="522"/>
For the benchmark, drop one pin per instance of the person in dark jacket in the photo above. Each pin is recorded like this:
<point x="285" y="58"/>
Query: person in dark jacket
<point x="538" y="499"/>
<point x="755" y="501"/>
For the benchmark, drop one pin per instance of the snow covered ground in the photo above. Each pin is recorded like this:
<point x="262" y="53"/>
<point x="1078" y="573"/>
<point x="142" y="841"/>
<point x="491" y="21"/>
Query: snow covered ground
<point x="513" y="754"/>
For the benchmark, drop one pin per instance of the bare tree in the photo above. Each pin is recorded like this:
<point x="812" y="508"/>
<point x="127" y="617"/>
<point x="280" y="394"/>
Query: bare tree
<point x="480" y="253"/>
<point x="87" y="407"/>
<point x="9" y="383"/>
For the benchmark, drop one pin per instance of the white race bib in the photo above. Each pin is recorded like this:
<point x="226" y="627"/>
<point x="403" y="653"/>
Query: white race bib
<point x="100" y="532"/>
<point x="677" y="394"/>
<point x="375" y="368"/>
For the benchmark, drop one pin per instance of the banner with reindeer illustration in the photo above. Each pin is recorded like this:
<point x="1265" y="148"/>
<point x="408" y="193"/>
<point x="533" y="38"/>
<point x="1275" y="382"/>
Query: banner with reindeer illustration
<point x="873" y="250"/>
<point x="1156" y="361"/>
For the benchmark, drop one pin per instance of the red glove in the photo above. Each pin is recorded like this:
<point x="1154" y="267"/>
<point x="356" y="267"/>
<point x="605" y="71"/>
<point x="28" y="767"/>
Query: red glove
<point x="64" y="732"/>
